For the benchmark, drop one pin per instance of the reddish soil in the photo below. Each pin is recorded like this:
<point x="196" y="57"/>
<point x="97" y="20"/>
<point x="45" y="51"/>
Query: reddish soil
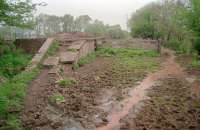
<point x="86" y="105"/>
<point x="108" y="96"/>
<point x="172" y="103"/>
<point x="139" y="93"/>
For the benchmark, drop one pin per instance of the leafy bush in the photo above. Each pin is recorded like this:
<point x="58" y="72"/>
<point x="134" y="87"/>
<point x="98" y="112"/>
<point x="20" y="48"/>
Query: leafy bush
<point x="195" y="63"/>
<point x="197" y="45"/>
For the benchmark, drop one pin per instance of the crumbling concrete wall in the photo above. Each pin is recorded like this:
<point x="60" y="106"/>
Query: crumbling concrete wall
<point x="30" y="46"/>
<point x="88" y="47"/>
<point x="40" y="54"/>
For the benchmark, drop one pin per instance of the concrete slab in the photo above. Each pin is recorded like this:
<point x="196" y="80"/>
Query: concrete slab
<point x="51" y="61"/>
<point x="68" y="57"/>
<point x="76" y="45"/>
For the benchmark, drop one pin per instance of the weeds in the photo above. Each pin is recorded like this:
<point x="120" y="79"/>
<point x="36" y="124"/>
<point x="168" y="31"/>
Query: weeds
<point x="57" y="98"/>
<point x="125" y="52"/>
<point x="12" y="62"/>
<point x="66" y="82"/>
<point x="53" y="48"/>
<point x="85" y="60"/>
<point x="195" y="63"/>
<point x="127" y="56"/>
<point x="12" y="94"/>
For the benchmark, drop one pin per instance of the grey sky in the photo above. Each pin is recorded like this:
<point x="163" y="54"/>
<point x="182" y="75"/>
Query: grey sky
<point x="109" y="11"/>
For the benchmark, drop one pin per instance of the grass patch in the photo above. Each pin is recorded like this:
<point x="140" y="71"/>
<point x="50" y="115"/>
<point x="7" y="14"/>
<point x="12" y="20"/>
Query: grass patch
<point x="125" y="52"/>
<point x="57" y="98"/>
<point x="195" y="63"/>
<point x="85" y="60"/>
<point x="66" y="82"/>
<point x="12" y="62"/>
<point x="129" y="57"/>
<point x="12" y="95"/>
<point x="71" y="50"/>
<point x="53" y="48"/>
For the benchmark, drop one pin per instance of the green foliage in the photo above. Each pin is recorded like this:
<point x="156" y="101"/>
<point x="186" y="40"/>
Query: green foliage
<point x="85" y="60"/>
<point x="66" y="82"/>
<point x="125" y="52"/>
<point x="122" y="53"/>
<point x="166" y="20"/>
<point x="53" y="48"/>
<point x="143" y="22"/>
<point x="16" y="12"/>
<point x="12" y="61"/>
<point x="57" y="98"/>
<point x="194" y="21"/>
<point x="12" y="94"/>
<point x="130" y="58"/>
<point x="195" y="63"/>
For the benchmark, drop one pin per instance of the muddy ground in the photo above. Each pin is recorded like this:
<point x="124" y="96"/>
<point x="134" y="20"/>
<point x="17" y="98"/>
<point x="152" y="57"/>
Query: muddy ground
<point x="101" y="86"/>
<point x="172" y="103"/>
<point x="111" y="96"/>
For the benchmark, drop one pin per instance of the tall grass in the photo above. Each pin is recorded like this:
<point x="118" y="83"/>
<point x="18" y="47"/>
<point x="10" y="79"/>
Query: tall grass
<point x="12" y="94"/>
<point x="12" y="61"/>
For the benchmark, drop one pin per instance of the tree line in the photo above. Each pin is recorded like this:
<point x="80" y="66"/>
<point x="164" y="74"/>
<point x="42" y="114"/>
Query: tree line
<point x="50" y="24"/>
<point x="17" y="20"/>
<point x="176" y="22"/>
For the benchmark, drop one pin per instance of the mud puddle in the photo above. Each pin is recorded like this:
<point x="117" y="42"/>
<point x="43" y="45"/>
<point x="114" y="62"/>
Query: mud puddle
<point x="138" y="94"/>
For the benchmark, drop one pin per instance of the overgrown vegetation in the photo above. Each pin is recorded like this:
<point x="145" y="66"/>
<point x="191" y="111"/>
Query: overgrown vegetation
<point x="128" y="57"/>
<point x="131" y="58"/>
<point x="85" y="60"/>
<point x="66" y="82"/>
<point x="175" y="22"/>
<point x="12" y="60"/>
<point x="53" y="48"/>
<point x="12" y="95"/>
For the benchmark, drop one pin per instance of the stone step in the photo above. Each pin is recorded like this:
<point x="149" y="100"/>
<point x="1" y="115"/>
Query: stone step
<point x="68" y="57"/>
<point x="76" y="45"/>
<point x="51" y="61"/>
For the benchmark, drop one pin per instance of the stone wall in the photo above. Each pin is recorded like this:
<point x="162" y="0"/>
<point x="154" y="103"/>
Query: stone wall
<point x="30" y="46"/>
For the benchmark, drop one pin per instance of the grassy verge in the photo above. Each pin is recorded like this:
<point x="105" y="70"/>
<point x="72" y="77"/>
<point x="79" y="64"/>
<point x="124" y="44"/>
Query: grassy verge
<point x="12" y="95"/>
<point x="128" y="57"/>
<point x="13" y="61"/>
<point x="13" y="91"/>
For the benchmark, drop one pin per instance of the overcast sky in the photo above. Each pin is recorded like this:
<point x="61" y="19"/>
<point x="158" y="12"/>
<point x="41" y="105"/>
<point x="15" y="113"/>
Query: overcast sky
<point x="109" y="11"/>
